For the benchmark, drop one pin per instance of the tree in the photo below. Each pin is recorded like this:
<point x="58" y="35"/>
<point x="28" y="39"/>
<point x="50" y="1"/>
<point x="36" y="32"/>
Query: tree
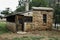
<point x="39" y="3"/>
<point x="36" y="3"/>
<point x="20" y="9"/>
<point x="57" y="13"/>
<point x="6" y="12"/>
<point x="1" y="17"/>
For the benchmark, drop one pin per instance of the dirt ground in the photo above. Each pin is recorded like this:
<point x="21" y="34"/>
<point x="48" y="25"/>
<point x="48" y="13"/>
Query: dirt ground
<point x="34" y="33"/>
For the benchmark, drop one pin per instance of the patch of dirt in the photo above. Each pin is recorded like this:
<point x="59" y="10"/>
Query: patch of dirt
<point x="33" y="33"/>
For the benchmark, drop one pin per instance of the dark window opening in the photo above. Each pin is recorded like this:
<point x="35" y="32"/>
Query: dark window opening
<point x="28" y="19"/>
<point x="44" y="18"/>
<point x="11" y="19"/>
<point x="20" y="20"/>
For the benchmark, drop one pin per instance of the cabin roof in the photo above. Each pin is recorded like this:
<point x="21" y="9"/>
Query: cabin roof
<point x="33" y="8"/>
<point x="42" y="8"/>
<point x="18" y="13"/>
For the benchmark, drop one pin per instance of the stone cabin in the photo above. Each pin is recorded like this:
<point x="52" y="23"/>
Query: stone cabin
<point x="40" y="18"/>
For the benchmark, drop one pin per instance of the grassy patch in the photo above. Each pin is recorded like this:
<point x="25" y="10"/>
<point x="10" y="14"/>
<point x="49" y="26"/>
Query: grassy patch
<point x="54" y="38"/>
<point x="36" y="38"/>
<point x="28" y="38"/>
<point x="3" y="28"/>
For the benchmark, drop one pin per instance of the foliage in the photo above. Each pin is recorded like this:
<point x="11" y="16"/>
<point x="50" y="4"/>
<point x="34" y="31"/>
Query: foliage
<point x="57" y="14"/>
<point x="21" y="8"/>
<point x="39" y="3"/>
<point x="36" y="3"/>
<point x="3" y="28"/>
<point x="1" y="17"/>
<point x="57" y="10"/>
<point x="6" y="12"/>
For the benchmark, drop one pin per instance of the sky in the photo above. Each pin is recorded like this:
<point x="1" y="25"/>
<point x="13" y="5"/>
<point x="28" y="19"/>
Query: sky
<point x="12" y="4"/>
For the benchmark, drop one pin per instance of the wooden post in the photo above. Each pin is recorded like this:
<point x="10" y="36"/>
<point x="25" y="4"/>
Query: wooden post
<point x="16" y="21"/>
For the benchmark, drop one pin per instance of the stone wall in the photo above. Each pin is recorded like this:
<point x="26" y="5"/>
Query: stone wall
<point x="37" y="23"/>
<point x="38" y="20"/>
<point x="28" y="26"/>
<point x="49" y="19"/>
<point x="11" y="26"/>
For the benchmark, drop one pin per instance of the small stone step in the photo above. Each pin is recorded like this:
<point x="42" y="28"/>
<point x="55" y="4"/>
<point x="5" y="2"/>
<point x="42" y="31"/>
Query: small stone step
<point x="20" y="32"/>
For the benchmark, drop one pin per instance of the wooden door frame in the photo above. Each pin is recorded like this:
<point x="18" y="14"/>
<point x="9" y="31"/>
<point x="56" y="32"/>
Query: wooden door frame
<point x="16" y="20"/>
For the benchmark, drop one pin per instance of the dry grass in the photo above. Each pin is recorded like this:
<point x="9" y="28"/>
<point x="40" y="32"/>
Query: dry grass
<point x="37" y="35"/>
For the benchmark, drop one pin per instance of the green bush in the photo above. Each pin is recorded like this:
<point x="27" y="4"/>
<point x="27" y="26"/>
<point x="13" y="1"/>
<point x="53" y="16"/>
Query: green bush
<point x="3" y="28"/>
